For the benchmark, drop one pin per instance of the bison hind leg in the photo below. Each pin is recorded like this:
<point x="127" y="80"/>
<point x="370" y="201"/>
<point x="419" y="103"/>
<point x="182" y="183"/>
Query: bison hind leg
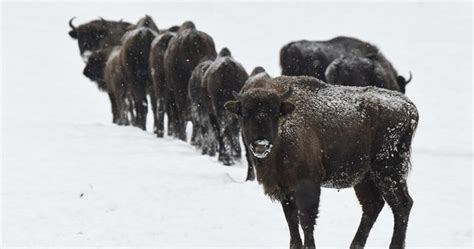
<point x="371" y="200"/>
<point x="390" y="176"/>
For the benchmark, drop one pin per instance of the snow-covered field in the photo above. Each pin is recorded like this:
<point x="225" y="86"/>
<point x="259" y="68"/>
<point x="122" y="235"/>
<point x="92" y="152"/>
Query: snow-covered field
<point x="58" y="143"/>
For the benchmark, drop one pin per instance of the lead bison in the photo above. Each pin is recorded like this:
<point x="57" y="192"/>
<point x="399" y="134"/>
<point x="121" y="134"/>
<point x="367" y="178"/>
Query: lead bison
<point x="312" y="58"/>
<point x="97" y="34"/>
<point x="305" y="134"/>
<point x="184" y="53"/>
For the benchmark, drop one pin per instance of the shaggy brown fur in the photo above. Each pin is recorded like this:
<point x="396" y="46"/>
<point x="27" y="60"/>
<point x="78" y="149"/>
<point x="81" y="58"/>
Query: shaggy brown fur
<point x="305" y="134"/>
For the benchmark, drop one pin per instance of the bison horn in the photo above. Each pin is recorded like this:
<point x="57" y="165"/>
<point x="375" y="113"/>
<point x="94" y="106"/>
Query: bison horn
<point x="287" y="94"/>
<point x="102" y="19"/>
<point x="236" y="95"/>
<point x="409" y="78"/>
<point x="70" y="23"/>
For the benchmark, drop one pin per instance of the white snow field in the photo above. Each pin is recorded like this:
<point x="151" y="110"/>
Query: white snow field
<point x="58" y="142"/>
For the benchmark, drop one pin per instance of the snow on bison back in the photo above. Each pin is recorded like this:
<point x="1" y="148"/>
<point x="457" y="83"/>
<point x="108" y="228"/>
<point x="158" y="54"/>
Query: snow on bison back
<point x="304" y="134"/>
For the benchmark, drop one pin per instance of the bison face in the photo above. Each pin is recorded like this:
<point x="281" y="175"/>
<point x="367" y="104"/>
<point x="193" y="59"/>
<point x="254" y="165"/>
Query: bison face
<point x="89" y="40"/>
<point x="259" y="112"/>
<point x="95" y="66"/>
<point x="89" y="36"/>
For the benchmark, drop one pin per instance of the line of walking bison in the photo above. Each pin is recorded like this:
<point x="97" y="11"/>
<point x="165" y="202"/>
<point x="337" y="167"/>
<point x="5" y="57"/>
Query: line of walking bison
<point x="327" y="122"/>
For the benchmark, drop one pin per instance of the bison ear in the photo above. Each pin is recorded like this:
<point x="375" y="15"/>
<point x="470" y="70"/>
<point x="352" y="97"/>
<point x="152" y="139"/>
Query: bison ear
<point x="286" y="108"/>
<point x="73" y="34"/>
<point x="233" y="106"/>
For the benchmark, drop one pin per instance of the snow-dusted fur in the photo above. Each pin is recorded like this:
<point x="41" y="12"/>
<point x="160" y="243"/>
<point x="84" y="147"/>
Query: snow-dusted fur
<point x="336" y="137"/>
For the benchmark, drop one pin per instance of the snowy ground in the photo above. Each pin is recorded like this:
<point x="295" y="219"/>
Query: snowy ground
<point x="58" y="143"/>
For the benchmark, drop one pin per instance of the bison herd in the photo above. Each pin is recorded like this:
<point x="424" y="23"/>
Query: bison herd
<point x="327" y="122"/>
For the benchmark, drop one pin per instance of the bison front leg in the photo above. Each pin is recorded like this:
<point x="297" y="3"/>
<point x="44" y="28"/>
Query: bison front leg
<point x="307" y="200"/>
<point x="291" y="215"/>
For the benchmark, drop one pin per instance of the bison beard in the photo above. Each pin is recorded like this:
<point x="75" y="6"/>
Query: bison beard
<point x="329" y="136"/>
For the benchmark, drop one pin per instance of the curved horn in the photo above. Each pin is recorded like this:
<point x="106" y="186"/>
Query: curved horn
<point x="236" y="95"/>
<point x="102" y="19"/>
<point x="287" y="94"/>
<point x="409" y="78"/>
<point x="70" y="23"/>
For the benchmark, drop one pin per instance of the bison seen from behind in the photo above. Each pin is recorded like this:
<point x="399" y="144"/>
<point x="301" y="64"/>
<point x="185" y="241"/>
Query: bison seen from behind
<point x="224" y="76"/>
<point x="305" y="134"/>
<point x="184" y="53"/>
<point x="157" y="70"/>
<point x="204" y="135"/>
<point x="135" y="57"/>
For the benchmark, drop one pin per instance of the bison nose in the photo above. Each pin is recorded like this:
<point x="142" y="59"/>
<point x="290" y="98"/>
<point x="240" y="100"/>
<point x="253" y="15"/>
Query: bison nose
<point x="260" y="148"/>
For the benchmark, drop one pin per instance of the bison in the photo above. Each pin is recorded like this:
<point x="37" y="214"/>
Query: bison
<point x="97" y="34"/>
<point x="203" y="135"/>
<point x="117" y="88"/>
<point x="364" y="71"/>
<point x="184" y="53"/>
<point x="304" y="134"/>
<point x="224" y="76"/>
<point x="312" y="58"/>
<point x="157" y="53"/>
<point x="95" y="67"/>
<point x="135" y="57"/>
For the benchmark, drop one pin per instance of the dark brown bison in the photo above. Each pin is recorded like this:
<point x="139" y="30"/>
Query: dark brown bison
<point x="157" y="54"/>
<point x="95" y="67"/>
<point x="117" y="88"/>
<point x="184" y="53"/>
<point x="364" y="71"/>
<point x="203" y="136"/>
<point x="97" y="34"/>
<point x="135" y="60"/>
<point x="305" y="134"/>
<point x="224" y="76"/>
<point x="312" y="58"/>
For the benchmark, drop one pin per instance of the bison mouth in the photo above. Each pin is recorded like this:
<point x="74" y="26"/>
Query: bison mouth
<point x="260" y="148"/>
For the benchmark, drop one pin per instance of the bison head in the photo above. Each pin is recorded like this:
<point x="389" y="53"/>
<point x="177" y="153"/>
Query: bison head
<point x="90" y="35"/>
<point x="259" y="111"/>
<point x="95" y="66"/>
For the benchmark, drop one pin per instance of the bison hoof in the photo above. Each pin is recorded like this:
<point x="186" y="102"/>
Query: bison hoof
<point x="227" y="161"/>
